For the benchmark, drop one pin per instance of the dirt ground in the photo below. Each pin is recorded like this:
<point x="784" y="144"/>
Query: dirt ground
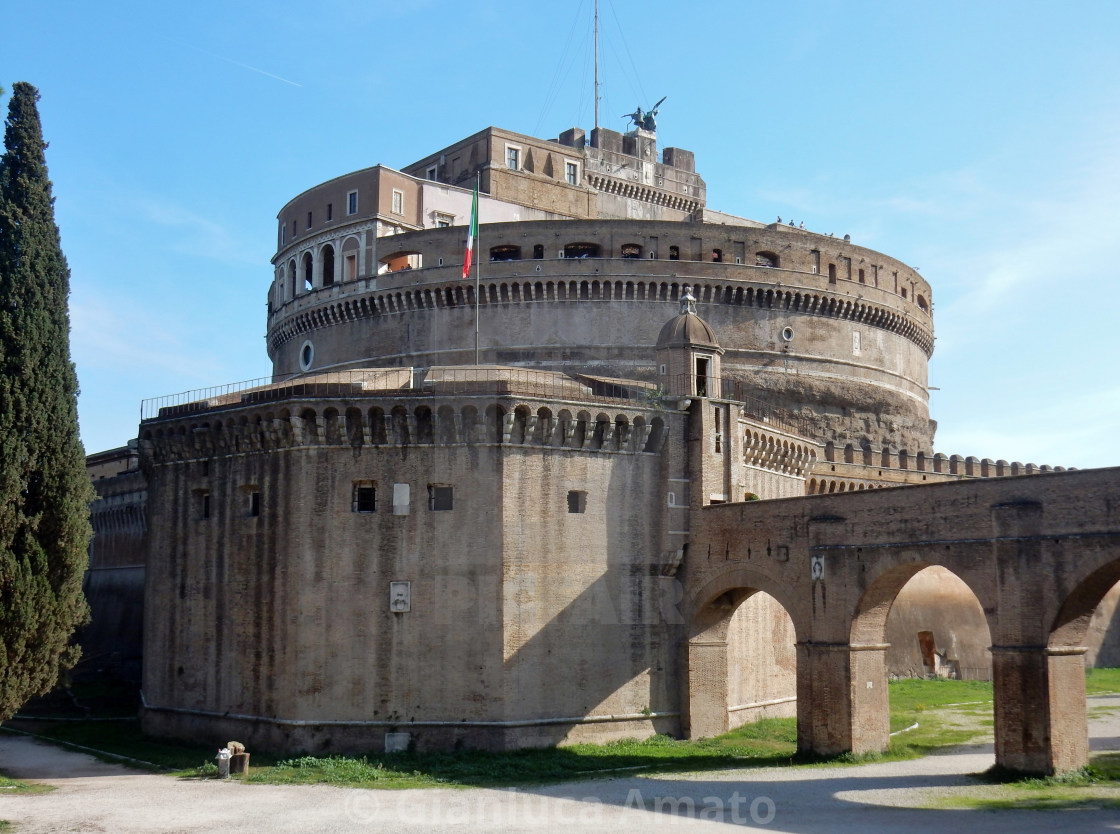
<point x="91" y="796"/>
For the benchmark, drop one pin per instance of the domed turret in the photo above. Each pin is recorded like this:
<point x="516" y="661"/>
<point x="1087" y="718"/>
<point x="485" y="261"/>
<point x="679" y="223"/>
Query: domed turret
<point x="688" y="353"/>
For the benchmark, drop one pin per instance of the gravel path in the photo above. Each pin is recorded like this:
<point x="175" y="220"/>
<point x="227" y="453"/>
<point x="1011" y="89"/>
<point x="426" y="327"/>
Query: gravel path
<point x="95" y="797"/>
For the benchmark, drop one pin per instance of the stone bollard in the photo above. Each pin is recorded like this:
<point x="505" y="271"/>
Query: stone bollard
<point x="239" y="759"/>
<point x="223" y="763"/>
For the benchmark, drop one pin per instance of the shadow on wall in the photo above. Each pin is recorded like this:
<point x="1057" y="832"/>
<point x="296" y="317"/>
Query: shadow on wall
<point x="1103" y="638"/>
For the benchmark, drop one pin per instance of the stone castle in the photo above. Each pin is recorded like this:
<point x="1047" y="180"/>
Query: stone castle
<point x="464" y="512"/>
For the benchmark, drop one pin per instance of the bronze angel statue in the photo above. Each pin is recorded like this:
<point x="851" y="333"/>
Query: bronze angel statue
<point x="646" y="119"/>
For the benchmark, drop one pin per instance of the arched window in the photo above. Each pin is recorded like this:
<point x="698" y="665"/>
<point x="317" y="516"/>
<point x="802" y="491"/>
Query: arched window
<point x="922" y="305"/>
<point x="766" y="259"/>
<point x="674" y="253"/>
<point x="308" y="275"/>
<point x="327" y="272"/>
<point x="538" y="251"/>
<point x="631" y="250"/>
<point x="505" y="253"/>
<point x="717" y="256"/>
<point x="581" y="250"/>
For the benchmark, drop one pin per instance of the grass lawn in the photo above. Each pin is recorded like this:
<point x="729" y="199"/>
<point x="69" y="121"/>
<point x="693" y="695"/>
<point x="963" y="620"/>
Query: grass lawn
<point x="947" y="713"/>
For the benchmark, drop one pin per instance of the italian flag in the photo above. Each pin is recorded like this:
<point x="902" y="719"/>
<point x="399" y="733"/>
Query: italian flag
<point x="472" y="233"/>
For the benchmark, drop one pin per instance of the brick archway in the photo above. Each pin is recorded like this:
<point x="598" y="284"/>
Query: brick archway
<point x="1039" y="554"/>
<point x="709" y="666"/>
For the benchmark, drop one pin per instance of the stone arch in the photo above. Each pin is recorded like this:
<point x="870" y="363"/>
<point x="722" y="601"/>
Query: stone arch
<point x="581" y="250"/>
<point x="445" y="420"/>
<point x="355" y="433"/>
<point x="310" y="422"/>
<point x="621" y="432"/>
<point x="377" y="433"/>
<point x="401" y="434"/>
<point x="1071" y="623"/>
<point x="542" y="431"/>
<point x="600" y="433"/>
<point x="580" y="439"/>
<point x="495" y="423"/>
<point x="656" y="435"/>
<point x="330" y="423"/>
<point x="868" y="723"/>
<point x="564" y="426"/>
<point x="326" y="265"/>
<point x="425" y="428"/>
<point x="520" y="424"/>
<point x="469" y="416"/>
<point x="308" y="272"/>
<point x="716" y="639"/>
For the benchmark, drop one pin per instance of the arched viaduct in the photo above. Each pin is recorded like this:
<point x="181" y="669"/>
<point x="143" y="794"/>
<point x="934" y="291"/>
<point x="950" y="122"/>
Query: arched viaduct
<point x="1038" y="552"/>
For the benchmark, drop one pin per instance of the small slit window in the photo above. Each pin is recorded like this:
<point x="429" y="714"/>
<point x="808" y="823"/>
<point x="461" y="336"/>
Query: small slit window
<point x="577" y="501"/>
<point x="440" y="497"/>
<point x="364" y="499"/>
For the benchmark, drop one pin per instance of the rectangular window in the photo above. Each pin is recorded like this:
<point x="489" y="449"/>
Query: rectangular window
<point x="444" y="220"/>
<point x="283" y="233"/>
<point x="330" y="212"/>
<point x="351" y="267"/>
<point x="571" y="173"/>
<point x="294" y="232"/>
<point x="577" y="501"/>
<point x="513" y="158"/>
<point x="364" y="499"/>
<point x="816" y="254"/>
<point x="352" y="202"/>
<point x="440" y="497"/>
<point x="309" y="220"/>
<point x="254" y="503"/>
<point x="398" y="202"/>
<point x="433" y="173"/>
<point x="202" y="500"/>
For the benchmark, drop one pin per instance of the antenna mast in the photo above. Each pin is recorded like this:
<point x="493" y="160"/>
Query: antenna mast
<point x="596" y="64"/>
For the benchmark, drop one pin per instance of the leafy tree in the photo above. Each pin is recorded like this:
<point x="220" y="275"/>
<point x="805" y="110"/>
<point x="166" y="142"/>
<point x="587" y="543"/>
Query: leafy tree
<point x="44" y="489"/>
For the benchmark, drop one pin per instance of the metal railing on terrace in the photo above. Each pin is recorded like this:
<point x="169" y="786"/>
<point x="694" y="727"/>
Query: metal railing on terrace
<point x="469" y="381"/>
<point x="398" y="382"/>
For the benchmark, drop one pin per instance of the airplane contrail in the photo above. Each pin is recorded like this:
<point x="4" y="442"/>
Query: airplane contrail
<point x="239" y="64"/>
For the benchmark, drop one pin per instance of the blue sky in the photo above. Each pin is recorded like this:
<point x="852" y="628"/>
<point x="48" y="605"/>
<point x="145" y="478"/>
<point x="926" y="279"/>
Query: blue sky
<point x="977" y="141"/>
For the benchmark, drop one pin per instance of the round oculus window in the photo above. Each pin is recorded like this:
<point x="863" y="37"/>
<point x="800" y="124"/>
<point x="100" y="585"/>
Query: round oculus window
<point x="306" y="356"/>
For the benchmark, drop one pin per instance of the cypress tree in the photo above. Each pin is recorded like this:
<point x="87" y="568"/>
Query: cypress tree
<point x="44" y="489"/>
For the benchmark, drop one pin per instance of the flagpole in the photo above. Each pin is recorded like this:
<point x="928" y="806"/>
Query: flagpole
<point x="477" y="269"/>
